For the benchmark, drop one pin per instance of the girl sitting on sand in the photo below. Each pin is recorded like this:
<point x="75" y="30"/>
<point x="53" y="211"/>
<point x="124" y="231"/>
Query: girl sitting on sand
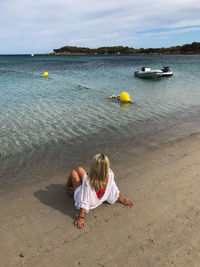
<point x="91" y="190"/>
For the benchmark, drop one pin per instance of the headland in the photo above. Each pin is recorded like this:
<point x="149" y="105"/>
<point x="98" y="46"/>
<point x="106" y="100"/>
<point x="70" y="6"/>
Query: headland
<point x="190" y="49"/>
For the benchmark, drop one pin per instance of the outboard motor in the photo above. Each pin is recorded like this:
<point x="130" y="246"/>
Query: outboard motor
<point x="165" y="69"/>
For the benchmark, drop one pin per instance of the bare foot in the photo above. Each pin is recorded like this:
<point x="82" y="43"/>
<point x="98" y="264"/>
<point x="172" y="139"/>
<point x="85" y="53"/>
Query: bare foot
<point x="64" y="185"/>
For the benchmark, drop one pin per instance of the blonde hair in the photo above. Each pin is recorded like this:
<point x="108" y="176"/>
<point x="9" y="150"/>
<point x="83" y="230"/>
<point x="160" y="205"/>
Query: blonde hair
<point x="99" y="167"/>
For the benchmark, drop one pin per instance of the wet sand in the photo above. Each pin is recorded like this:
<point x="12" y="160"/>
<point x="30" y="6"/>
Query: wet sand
<point x="162" y="229"/>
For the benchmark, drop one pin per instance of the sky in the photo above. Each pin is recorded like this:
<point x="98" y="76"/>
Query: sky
<point x="39" y="26"/>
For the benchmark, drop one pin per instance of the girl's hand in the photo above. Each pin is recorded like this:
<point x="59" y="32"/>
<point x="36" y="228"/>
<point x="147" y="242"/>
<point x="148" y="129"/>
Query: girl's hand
<point x="80" y="223"/>
<point x="127" y="202"/>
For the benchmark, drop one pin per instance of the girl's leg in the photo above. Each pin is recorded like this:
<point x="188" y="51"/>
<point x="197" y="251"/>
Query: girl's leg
<point x="74" y="179"/>
<point x="68" y="184"/>
<point x="81" y="172"/>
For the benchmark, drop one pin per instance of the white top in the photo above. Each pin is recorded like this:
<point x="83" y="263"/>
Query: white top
<point x="85" y="196"/>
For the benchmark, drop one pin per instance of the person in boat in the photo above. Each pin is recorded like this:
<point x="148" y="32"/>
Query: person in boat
<point x="93" y="188"/>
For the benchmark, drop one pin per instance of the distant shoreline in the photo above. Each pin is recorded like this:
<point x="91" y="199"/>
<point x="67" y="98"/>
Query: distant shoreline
<point x="187" y="49"/>
<point x="121" y="54"/>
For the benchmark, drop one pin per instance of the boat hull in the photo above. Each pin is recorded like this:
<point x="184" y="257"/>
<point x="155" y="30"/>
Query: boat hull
<point x="148" y="74"/>
<point x="167" y="74"/>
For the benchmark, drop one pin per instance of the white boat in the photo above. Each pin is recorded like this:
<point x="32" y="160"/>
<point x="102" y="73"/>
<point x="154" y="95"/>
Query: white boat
<point x="32" y="55"/>
<point x="166" y="72"/>
<point x="148" y="73"/>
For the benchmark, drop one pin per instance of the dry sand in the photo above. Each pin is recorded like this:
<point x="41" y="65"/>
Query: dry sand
<point x="162" y="229"/>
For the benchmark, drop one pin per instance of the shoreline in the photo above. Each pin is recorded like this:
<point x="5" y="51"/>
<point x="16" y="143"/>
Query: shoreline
<point x="121" y="54"/>
<point x="160" y="230"/>
<point x="37" y="167"/>
<point x="193" y="48"/>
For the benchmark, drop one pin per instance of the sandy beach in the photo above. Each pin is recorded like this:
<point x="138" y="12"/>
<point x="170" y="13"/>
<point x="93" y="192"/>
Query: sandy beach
<point x="162" y="229"/>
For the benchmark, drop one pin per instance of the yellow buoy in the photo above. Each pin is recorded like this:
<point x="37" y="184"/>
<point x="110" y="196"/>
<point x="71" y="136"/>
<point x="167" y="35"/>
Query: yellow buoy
<point x="125" y="97"/>
<point x="46" y="74"/>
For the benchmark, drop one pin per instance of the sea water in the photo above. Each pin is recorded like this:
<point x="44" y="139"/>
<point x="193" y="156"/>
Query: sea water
<point x="47" y="123"/>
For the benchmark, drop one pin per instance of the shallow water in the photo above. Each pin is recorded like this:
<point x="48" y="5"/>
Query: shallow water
<point x="48" y="122"/>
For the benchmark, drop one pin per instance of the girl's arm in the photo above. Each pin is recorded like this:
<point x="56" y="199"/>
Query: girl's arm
<point x="124" y="201"/>
<point x="80" y="223"/>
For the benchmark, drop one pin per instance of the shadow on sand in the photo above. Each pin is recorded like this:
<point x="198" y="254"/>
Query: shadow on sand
<point x="57" y="197"/>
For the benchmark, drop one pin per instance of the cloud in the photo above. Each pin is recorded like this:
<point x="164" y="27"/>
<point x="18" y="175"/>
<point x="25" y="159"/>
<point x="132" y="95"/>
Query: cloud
<point x="40" y="26"/>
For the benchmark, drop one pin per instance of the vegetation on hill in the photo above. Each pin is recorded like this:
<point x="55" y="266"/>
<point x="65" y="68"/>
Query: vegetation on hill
<point x="193" y="48"/>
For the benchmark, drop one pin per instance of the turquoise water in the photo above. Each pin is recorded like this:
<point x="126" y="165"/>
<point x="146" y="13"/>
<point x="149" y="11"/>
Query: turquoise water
<point x="52" y="119"/>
